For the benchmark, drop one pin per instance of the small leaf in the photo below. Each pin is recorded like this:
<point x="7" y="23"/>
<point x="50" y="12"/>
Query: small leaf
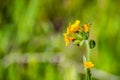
<point x="78" y="36"/>
<point x="85" y="35"/>
<point x="92" y="44"/>
<point x="76" y="42"/>
<point x="81" y="43"/>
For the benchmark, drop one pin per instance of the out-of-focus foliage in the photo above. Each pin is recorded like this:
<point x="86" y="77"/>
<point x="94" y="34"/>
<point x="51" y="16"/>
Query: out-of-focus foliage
<point x="32" y="45"/>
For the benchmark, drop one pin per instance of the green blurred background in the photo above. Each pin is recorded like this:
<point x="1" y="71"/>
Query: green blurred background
<point x="32" y="44"/>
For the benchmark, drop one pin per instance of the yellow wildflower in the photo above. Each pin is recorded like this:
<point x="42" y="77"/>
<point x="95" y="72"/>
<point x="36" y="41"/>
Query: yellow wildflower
<point x="88" y="65"/>
<point x="68" y="39"/>
<point x="86" y="28"/>
<point x="74" y="27"/>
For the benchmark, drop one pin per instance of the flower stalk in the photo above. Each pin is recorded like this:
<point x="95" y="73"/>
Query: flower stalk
<point x="87" y="70"/>
<point x="87" y="50"/>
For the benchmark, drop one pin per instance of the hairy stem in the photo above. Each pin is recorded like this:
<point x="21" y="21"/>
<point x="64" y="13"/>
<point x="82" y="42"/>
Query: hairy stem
<point x="88" y="73"/>
<point x="88" y="50"/>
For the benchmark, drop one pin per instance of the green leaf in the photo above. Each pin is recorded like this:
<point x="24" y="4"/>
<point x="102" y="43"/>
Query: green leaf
<point x="81" y="43"/>
<point x="78" y="37"/>
<point x="85" y="35"/>
<point x="77" y="42"/>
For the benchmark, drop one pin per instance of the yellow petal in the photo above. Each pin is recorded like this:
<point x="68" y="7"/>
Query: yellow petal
<point x="86" y="28"/>
<point x="77" y="22"/>
<point x="88" y="64"/>
<point x="66" y="39"/>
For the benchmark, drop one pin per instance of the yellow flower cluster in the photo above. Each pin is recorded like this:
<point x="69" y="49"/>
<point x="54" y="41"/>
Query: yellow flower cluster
<point x="75" y="28"/>
<point x="71" y="30"/>
<point x="88" y="65"/>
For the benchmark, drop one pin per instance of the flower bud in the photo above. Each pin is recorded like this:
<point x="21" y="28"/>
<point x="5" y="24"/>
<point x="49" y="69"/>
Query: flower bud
<point x="92" y="44"/>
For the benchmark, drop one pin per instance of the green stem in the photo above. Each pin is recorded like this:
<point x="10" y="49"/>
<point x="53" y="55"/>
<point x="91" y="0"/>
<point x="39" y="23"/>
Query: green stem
<point x="88" y="74"/>
<point x="88" y="50"/>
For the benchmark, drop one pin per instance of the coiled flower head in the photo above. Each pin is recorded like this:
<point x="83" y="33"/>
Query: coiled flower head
<point x="76" y="33"/>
